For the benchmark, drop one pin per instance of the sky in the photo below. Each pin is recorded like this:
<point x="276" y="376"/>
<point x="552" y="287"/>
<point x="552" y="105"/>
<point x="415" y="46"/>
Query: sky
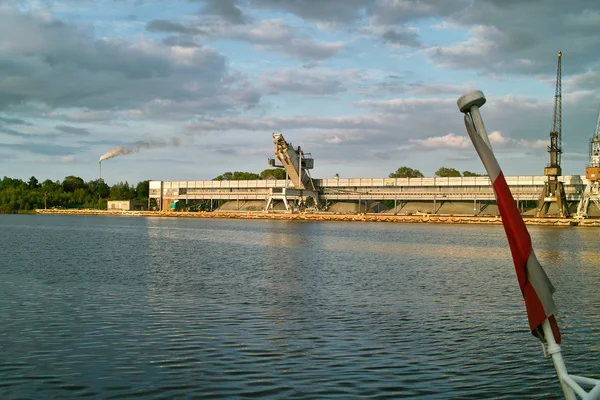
<point x="196" y="88"/>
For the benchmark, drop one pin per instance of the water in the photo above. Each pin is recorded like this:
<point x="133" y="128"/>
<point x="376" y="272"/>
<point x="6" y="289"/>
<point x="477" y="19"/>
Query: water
<point x="123" y="308"/>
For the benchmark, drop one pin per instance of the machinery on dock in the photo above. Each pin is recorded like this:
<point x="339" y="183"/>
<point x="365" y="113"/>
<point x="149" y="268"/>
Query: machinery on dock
<point x="297" y="165"/>
<point x="592" y="173"/>
<point x="554" y="191"/>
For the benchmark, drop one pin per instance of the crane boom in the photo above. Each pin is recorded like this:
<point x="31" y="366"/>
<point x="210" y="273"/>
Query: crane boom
<point x="557" y="118"/>
<point x="553" y="191"/>
<point x="295" y="162"/>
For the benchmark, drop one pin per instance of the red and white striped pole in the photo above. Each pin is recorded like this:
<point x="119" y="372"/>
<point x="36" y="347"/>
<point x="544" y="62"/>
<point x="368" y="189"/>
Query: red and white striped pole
<point x="534" y="283"/>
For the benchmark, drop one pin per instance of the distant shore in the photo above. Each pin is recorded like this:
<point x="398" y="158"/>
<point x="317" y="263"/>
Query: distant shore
<point x="439" y="219"/>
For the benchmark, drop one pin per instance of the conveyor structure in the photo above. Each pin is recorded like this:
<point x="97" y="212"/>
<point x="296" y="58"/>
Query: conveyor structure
<point x="297" y="165"/>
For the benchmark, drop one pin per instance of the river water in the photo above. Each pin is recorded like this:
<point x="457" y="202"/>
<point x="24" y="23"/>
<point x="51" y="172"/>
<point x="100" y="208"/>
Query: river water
<point x="136" y="308"/>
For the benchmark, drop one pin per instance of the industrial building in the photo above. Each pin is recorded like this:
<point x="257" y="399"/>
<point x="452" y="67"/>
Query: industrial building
<point x="124" y="205"/>
<point x="458" y="196"/>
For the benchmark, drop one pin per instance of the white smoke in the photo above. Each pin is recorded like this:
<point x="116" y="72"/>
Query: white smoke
<point x="139" y="145"/>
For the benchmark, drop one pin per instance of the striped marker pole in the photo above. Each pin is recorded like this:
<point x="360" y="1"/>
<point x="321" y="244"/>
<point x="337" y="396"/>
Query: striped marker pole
<point x="535" y="285"/>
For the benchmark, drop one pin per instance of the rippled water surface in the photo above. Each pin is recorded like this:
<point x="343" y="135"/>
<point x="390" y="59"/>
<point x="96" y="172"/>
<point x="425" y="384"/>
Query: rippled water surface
<point x="118" y="308"/>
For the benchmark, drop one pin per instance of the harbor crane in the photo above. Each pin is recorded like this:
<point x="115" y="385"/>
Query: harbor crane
<point x="554" y="191"/>
<point x="592" y="173"/>
<point x="297" y="166"/>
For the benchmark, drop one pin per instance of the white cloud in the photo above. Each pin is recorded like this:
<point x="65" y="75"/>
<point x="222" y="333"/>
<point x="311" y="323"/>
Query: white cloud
<point x="497" y="139"/>
<point x="449" y="141"/>
<point x="67" y="159"/>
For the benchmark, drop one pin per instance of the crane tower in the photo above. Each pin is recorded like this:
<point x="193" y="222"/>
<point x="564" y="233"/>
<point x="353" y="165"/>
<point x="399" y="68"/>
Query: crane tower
<point x="554" y="191"/>
<point x="592" y="173"/>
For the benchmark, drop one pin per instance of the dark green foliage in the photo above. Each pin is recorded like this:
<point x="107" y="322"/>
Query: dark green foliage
<point x="19" y="196"/>
<point x="237" y="176"/>
<point x="143" y="190"/>
<point x="72" y="183"/>
<point x="33" y="183"/>
<point x="444" y="172"/>
<point x="122" y="191"/>
<point x="405" y="172"/>
<point x="469" y="173"/>
<point x="277" y="173"/>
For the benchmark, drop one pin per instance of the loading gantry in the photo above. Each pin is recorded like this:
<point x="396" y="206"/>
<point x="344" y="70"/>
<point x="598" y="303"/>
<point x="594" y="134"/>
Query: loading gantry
<point x="554" y="191"/>
<point x="592" y="173"/>
<point x="297" y="165"/>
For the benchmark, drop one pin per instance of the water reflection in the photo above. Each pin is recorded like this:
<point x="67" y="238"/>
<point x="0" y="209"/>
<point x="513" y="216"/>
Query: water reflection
<point x="176" y="308"/>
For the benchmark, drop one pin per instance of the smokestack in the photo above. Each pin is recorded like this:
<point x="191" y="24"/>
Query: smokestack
<point x="100" y="170"/>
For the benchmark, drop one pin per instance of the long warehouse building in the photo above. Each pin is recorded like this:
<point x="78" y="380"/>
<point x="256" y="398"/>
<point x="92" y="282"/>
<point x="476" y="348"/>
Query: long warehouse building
<point x="460" y="195"/>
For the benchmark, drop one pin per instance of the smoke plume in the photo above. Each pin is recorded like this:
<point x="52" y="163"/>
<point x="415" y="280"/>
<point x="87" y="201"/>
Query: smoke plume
<point x="139" y="145"/>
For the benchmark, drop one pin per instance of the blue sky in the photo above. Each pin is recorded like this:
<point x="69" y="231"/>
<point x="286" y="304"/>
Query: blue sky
<point x="196" y="87"/>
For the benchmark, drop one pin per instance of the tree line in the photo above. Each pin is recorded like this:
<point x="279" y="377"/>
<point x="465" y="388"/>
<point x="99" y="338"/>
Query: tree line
<point x="402" y="172"/>
<point x="17" y="195"/>
<point x="443" y="172"/>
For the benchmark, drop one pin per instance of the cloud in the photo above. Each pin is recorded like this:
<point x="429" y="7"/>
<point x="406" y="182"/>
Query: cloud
<point x="161" y="25"/>
<point x="438" y="88"/>
<point x="505" y="37"/>
<point x="26" y="135"/>
<point x="305" y="81"/>
<point x="401" y="37"/>
<point x="179" y="41"/>
<point x="333" y="11"/>
<point x="61" y="65"/>
<point x="443" y="142"/>
<point x="398" y="12"/>
<point x="44" y="148"/>
<point x="522" y="37"/>
<point x="497" y="139"/>
<point x="67" y="159"/>
<point x="272" y="35"/>
<point x="226" y="9"/>
<point x="72" y="130"/>
<point x="583" y="81"/>
<point x="13" y="121"/>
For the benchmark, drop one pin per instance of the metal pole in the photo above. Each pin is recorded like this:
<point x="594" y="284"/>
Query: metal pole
<point x="470" y="103"/>
<point x="559" y="364"/>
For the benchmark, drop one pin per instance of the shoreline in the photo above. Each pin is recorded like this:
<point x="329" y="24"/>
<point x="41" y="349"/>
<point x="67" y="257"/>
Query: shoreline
<point x="390" y="218"/>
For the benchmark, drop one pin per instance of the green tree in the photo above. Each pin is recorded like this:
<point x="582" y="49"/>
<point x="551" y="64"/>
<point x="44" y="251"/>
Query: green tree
<point x="122" y="191"/>
<point x="12" y="183"/>
<point x="277" y="173"/>
<point x="227" y="176"/>
<point x="143" y="190"/>
<point x="71" y="183"/>
<point x="469" y="173"/>
<point x="406" y="172"/>
<point x="50" y="185"/>
<point x="237" y="176"/>
<point x="33" y="183"/>
<point x="444" y="172"/>
<point x="98" y="189"/>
